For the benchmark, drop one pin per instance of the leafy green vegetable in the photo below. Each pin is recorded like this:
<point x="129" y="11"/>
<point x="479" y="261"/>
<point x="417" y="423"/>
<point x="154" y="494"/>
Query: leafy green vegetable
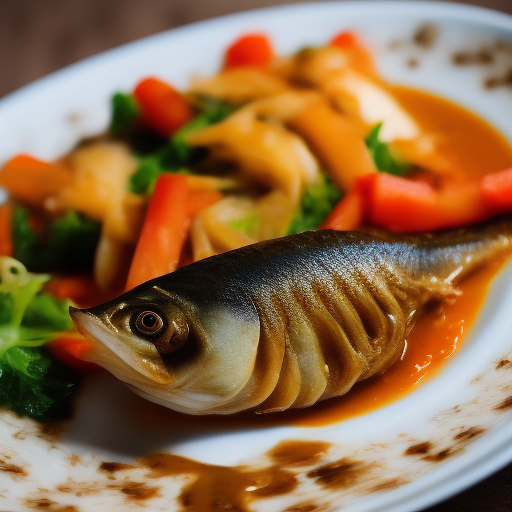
<point x="70" y="242"/>
<point x="125" y="112"/>
<point x="176" y="156"/>
<point x="31" y="382"/>
<point x="382" y="156"/>
<point x="316" y="204"/>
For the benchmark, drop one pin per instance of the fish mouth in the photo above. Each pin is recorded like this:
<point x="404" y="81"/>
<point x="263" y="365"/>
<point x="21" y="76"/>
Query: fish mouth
<point x="128" y="360"/>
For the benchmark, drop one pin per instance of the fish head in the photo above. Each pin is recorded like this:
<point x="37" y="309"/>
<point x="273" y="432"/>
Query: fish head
<point x="168" y="350"/>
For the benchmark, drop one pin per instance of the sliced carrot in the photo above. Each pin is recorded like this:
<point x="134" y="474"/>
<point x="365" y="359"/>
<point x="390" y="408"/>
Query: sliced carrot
<point x="31" y="180"/>
<point x="164" y="109"/>
<point x="6" y="245"/>
<point x="201" y="199"/>
<point x="337" y="141"/>
<point x="253" y="50"/>
<point x="164" y="231"/>
<point x="69" y="348"/>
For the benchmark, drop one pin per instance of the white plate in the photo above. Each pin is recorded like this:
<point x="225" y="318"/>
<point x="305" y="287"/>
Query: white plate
<point x="465" y="413"/>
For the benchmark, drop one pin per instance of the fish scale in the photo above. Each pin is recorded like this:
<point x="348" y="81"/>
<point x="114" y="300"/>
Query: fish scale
<point x="283" y="323"/>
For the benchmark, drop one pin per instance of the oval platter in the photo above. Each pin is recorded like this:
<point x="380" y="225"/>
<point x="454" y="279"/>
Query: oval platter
<point x="119" y="452"/>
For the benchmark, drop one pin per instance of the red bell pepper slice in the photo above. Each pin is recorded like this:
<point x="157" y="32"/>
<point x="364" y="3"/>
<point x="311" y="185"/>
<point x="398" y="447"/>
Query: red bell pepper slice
<point x="69" y="348"/>
<point x="497" y="191"/>
<point x="253" y="50"/>
<point x="164" y="109"/>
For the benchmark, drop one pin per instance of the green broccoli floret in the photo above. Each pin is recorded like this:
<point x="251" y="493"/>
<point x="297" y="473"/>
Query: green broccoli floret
<point x="70" y="242"/>
<point x="176" y="156"/>
<point x="31" y="382"/>
<point x="125" y="112"/>
<point x="316" y="204"/>
<point x="382" y="156"/>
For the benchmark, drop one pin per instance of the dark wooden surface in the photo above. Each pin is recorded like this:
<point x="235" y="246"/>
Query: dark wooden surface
<point x="40" y="36"/>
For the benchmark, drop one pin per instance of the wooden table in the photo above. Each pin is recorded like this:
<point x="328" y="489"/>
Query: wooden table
<point x="37" y="37"/>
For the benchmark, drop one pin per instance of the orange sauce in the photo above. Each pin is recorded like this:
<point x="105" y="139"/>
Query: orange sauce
<point x="440" y="331"/>
<point x="464" y="138"/>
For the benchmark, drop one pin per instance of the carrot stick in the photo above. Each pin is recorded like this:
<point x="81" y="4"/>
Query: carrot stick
<point x="164" y="231"/>
<point x="31" y="180"/>
<point x="337" y="142"/>
<point x="201" y="199"/>
<point x="6" y="246"/>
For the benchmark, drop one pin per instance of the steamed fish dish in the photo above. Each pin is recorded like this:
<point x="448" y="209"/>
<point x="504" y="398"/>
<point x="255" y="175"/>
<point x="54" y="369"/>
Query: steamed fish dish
<point x="283" y="323"/>
<point x="228" y="218"/>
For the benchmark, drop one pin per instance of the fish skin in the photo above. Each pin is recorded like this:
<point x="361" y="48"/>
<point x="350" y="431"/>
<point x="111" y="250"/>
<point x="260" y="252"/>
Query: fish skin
<point x="284" y="323"/>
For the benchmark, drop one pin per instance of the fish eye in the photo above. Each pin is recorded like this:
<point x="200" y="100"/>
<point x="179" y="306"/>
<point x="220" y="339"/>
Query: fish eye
<point x="148" y="322"/>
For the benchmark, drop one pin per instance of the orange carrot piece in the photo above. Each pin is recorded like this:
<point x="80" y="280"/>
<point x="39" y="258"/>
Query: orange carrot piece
<point x="69" y="348"/>
<point x="164" y="109"/>
<point x="31" y="180"/>
<point x="201" y="199"/>
<point x="164" y="231"/>
<point x="337" y="142"/>
<point x="253" y="50"/>
<point x="6" y="246"/>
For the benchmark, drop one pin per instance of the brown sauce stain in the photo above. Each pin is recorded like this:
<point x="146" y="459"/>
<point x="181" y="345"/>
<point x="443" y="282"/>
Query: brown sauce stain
<point x="298" y="453"/>
<point x="51" y="431"/>
<point x="12" y="468"/>
<point x="74" y="459"/>
<point x="50" y="505"/>
<point x="426" y="35"/>
<point x="479" y="56"/>
<point x="504" y="364"/>
<point x="114" y="467"/>
<point x="305" y="507"/>
<point x="419" y="449"/>
<point x="506" y="404"/>
<point x="215" y="488"/>
<point x="441" y="455"/>
<point x="388" y="485"/>
<point x="139" y="491"/>
<point x="502" y="80"/>
<point x="469" y="434"/>
<point x="342" y="473"/>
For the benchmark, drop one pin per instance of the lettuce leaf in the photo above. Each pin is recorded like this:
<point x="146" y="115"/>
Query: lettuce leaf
<point x="31" y="382"/>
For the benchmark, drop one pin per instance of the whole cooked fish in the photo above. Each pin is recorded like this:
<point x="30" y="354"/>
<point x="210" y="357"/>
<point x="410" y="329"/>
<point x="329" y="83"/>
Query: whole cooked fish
<point x="282" y="323"/>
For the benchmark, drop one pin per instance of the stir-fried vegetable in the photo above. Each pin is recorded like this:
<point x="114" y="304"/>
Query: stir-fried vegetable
<point x="254" y="50"/>
<point x="382" y="156"/>
<point x="316" y="204"/>
<point x="177" y="154"/>
<point x="70" y="242"/>
<point x="31" y="382"/>
<point x="125" y="112"/>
